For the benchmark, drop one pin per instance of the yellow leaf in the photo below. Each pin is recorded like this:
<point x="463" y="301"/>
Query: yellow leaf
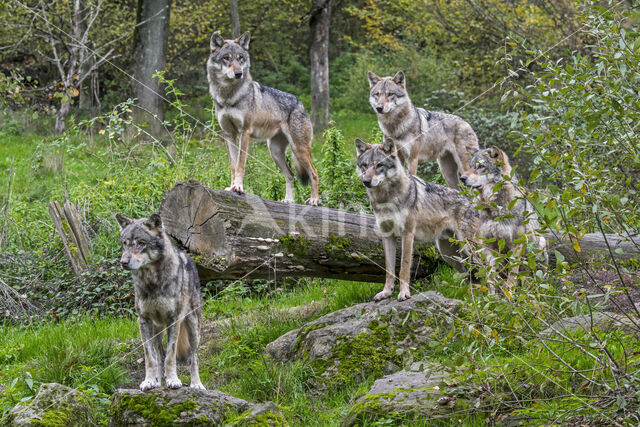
<point x="576" y="245"/>
<point x="109" y="182"/>
<point x="101" y="131"/>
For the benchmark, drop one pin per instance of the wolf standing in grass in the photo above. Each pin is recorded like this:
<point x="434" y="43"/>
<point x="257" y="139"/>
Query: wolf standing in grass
<point x="418" y="134"/>
<point x="167" y="296"/>
<point x="246" y="109"/>
<point x="407" y="207"/>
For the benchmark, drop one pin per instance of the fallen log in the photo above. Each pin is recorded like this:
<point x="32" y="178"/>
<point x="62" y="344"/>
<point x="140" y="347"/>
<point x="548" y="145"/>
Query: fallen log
<point x="235" y="236"/>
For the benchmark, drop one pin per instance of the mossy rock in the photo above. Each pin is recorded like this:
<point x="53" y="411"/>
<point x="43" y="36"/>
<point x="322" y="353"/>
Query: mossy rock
<point x="368" y="338"/>
<point x="163" y="407"/>
<point x="262" y="415"/>
<point x="55" y="405"/>
<point x="425" y="392"/>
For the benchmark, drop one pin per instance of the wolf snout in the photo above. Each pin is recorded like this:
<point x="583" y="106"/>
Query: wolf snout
<point x="464" y="178"/>
<point x="238" y="74"/>
<point x="380" y="109"/>
<point x="124" y="261"/>
<point x="366" y="182"/>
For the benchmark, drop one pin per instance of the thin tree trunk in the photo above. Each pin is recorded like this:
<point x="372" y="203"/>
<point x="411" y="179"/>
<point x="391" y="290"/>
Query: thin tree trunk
<point x="235" y="19"/>
<point x="150" y="55"/>
<point x="61" y="115"/>
<point x="319" y="53"/>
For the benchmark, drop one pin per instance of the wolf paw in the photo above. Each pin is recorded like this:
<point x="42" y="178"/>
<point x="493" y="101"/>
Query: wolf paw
<point x="197" y="386"/>
<point x="382" y="295"/>
<point x="403" y="296"/>
<point x="312" y="201"/>
<point x="174" y="383"/>
<point x="287" y="200"/>
<point x="149" y="385"/>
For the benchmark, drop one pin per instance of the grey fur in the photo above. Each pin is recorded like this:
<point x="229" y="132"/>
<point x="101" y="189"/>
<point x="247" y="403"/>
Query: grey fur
<point x="167" y="296"/>
<point x="407" y="207"/>
<point x="506" y="213"/>
<point x="246" y="109"/>
<point x="421" y="135"/>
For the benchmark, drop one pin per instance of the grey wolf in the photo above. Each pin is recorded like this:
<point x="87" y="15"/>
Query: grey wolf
<point x="507" y="215"/>
<point x="246" y="109"/>
<point x="418" y="134"/>
<point x="408" y="208"/>
<point x="167" y="296"/>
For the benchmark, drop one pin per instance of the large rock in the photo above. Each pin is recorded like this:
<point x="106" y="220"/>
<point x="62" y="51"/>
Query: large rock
<point x="423" y="392"/>
<point x="367" y="338"/>
<point x="54" y="405"/>
<point x="188" y="406"/>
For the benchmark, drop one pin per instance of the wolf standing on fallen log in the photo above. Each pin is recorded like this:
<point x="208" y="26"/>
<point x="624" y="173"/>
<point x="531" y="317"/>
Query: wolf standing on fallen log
<point x="246" y="109"/>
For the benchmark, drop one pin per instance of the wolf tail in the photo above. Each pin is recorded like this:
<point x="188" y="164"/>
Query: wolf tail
<point x="183" y="345"/>
<point x="301" y="171"/>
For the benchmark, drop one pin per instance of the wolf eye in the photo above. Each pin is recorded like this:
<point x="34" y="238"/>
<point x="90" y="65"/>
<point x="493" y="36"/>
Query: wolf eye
<point x="226" y="57"/>
<point x="390" y="94"/>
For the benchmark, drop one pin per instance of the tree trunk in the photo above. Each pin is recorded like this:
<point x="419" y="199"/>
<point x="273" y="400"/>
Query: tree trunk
<point x="235" y="19"/>
<point x="235" y="236"/>
<point x="150" y="54"/>
<point x="319" y="53"/>
<point x="61" y="115"/>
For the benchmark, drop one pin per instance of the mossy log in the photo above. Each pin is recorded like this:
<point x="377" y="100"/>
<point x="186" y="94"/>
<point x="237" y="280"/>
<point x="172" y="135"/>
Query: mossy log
<point x="233" y="236"/>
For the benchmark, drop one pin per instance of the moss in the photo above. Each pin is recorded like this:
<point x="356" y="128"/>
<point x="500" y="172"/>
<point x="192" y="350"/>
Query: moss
<point x="213" y="262"/>
<point x="266" y="419"/>
<point x="60" y="417"/>
<point x="367" y="353"/>
<point x="147" y="407"/>
<point x="338" y="247"/>
<point x="298" y="245"/>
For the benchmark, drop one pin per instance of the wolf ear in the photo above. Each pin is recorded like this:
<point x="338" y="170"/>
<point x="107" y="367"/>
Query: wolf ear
<point x="123" y="221"/>
<point x="154" y="221"/>
<point x="373" y="79"/>
<point x="361" y="146"/>
<point x="216" y="41"/>
<point x="399" y="78"/>
<point x="244" y="40"/>
<point x="388" y="147"/>
<point x="496" y="153"/>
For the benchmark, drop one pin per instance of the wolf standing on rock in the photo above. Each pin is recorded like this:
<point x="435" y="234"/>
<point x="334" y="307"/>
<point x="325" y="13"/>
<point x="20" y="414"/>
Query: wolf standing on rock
<point x="246" y="109"/>
<point x="407" y="207"/>
<point x="418" y="134"/>
<point x="167" y="297"/>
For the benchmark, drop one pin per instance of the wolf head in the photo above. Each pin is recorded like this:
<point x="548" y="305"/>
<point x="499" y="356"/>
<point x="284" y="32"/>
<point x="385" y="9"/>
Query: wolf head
<point x="143" y="241"/>
<point x="377" y="163"/>
<point x="486" y="168"/>
<point x="387" y="93"/>
<point x="229" y="59"/>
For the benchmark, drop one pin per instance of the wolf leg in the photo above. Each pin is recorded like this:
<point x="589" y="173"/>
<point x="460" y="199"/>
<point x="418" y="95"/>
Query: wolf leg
<point x="151" y="359"/>
<point x="193" y="330"/>
<point x="449" y="169"/>
<point x="405" y="264"/>
<point x="237" y="185"/>
<point x="231" y="142"/>
<point x="389" y="244"/>
<point x="277" y="147"/>
<point x="170" y="371"/>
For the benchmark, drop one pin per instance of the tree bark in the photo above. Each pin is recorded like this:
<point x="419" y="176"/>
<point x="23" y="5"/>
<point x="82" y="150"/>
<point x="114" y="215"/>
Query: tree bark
<point x="235" y="19"/>
<point x="235" y="236"/>
<point x="150" y="52"/>
<point x="319" y="22"/>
